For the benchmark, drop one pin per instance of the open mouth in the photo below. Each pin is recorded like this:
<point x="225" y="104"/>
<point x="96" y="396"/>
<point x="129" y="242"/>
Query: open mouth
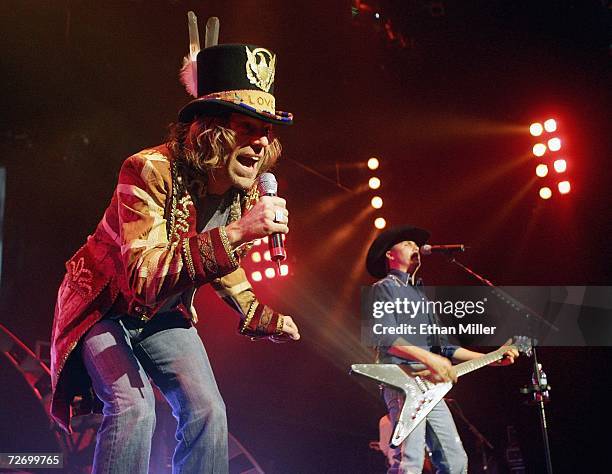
<point x="248" y="161"/>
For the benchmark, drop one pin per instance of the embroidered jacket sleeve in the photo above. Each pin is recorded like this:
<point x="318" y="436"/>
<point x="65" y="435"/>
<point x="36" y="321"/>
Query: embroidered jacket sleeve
<point x="256" y="319"/>
<point x="156" y="266"/>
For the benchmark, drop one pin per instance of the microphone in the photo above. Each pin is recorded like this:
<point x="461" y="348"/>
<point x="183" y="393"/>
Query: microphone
<point x="268" y="186"/>
<point x="449" y="248"/>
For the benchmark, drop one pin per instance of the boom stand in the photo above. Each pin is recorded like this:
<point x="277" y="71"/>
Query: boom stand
<point x="539" y="386"/>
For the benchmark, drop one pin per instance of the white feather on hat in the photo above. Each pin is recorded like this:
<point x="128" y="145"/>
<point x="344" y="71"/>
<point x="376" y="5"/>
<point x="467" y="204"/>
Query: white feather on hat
<point x="189" y="72"/>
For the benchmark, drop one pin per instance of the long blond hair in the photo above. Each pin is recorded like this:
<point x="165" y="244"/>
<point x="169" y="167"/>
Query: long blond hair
<point x="207" y="145"/>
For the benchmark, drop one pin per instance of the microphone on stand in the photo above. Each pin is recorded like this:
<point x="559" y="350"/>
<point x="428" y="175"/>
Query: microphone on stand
<point x="268" y="186"/>
<point x="446" y="249"/>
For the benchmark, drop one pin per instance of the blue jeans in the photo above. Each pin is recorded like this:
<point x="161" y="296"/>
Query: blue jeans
<point x="120" y="356"/>
<point x="438" y="431"/>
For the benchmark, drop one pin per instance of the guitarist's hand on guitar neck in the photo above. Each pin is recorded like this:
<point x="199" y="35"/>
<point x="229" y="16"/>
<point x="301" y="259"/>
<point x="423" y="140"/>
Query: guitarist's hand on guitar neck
<point x="509" y="353"/>
<point x="509" y="356"/>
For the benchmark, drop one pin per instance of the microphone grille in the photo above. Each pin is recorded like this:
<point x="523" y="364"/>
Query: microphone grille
<point x="267" y="184"/>
<point x="425" y="249"/>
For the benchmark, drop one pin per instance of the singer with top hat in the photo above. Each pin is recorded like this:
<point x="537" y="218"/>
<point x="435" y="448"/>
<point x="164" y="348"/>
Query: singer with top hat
<point x="181" y="216"/>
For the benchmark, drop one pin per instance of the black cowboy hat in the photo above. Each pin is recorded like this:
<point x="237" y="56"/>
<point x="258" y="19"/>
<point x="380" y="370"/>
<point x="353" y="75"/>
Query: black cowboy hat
<point x="235" y="78"/>
<point x="375" y="260"/>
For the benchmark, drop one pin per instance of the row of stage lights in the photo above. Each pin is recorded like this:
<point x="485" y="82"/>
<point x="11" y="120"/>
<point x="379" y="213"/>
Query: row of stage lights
<point x="262" y="261"/>
<point x="551" y="145"/>
<point x="262" y="258"/>
<point x="376" y="202"/>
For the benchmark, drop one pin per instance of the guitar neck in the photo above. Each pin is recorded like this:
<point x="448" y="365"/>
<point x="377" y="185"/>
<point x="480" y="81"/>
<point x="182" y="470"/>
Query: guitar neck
<point x="471" y="365"/>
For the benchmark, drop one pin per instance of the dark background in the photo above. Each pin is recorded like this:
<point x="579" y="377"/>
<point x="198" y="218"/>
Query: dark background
<point x="86" y="84"/>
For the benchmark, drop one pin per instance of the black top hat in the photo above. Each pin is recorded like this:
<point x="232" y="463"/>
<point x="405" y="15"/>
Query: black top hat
<point x="238" y="78"/>
<point x="375" y="260"/>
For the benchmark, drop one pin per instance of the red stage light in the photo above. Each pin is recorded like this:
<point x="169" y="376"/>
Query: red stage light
<point x="284" y="270"/>
<point x="373" y="163"/>
<point x="550" y="125"/>
<point x="554" y="144"/>
<point x="541" y="170"/>
<point x="270" y="273"/>
<point x="564" y="187"/>
<point x="560" y="166"/>
<point x="267" y="256"/>
<point x="380" y="223"/>
<point x="536" y="129"/>
<point x="545" y="193"/>
<point x="539" y="149"/>
<point x="256" y="256"/>
<point x="374" y="183"/>
<point x="256" y="276"/>
<point x="377" y="202"/>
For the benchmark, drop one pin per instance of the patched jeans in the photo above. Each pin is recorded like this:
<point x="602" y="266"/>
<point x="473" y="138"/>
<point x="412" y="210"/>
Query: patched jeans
<point x="438" y="431"/>
<point x="120" y="356"/>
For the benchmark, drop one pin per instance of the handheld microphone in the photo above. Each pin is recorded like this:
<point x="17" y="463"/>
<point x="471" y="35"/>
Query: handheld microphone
<point x="268" y="186"/>
<point x="447" y="249"/>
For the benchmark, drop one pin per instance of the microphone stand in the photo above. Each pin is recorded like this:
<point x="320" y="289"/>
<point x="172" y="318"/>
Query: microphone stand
<point x="539" y="386"/>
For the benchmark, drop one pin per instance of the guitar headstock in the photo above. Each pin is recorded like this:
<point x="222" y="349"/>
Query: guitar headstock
<point x="523" y="344"/>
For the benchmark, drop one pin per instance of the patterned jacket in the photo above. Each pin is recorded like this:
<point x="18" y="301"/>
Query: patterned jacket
<point x="144" y="251"/>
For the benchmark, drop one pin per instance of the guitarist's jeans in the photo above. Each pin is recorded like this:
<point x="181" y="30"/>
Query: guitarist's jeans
<point x="438" y="430"/>
<point x="120" y="356"/>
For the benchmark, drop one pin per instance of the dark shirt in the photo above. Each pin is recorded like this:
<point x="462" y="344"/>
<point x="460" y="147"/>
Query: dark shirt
<point x="214" y="213"/>
<point x="397" y="285"/>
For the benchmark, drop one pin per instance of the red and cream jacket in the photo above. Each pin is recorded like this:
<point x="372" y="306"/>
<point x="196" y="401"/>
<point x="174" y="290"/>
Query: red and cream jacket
<point x="144" y="251"/>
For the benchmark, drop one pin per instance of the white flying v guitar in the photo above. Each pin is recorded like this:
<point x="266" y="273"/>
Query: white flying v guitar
<point x="422" y="395"/>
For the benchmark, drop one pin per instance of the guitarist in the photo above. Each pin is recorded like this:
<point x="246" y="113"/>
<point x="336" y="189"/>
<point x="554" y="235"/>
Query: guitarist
<point x="394" y="258"/>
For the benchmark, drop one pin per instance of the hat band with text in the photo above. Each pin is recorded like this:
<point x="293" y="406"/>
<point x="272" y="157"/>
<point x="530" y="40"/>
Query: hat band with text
<point x="260" y="101"/>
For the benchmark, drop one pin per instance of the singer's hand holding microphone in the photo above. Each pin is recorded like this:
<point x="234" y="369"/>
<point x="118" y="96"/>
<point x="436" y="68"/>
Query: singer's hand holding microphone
<point x="269" y="217"/>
